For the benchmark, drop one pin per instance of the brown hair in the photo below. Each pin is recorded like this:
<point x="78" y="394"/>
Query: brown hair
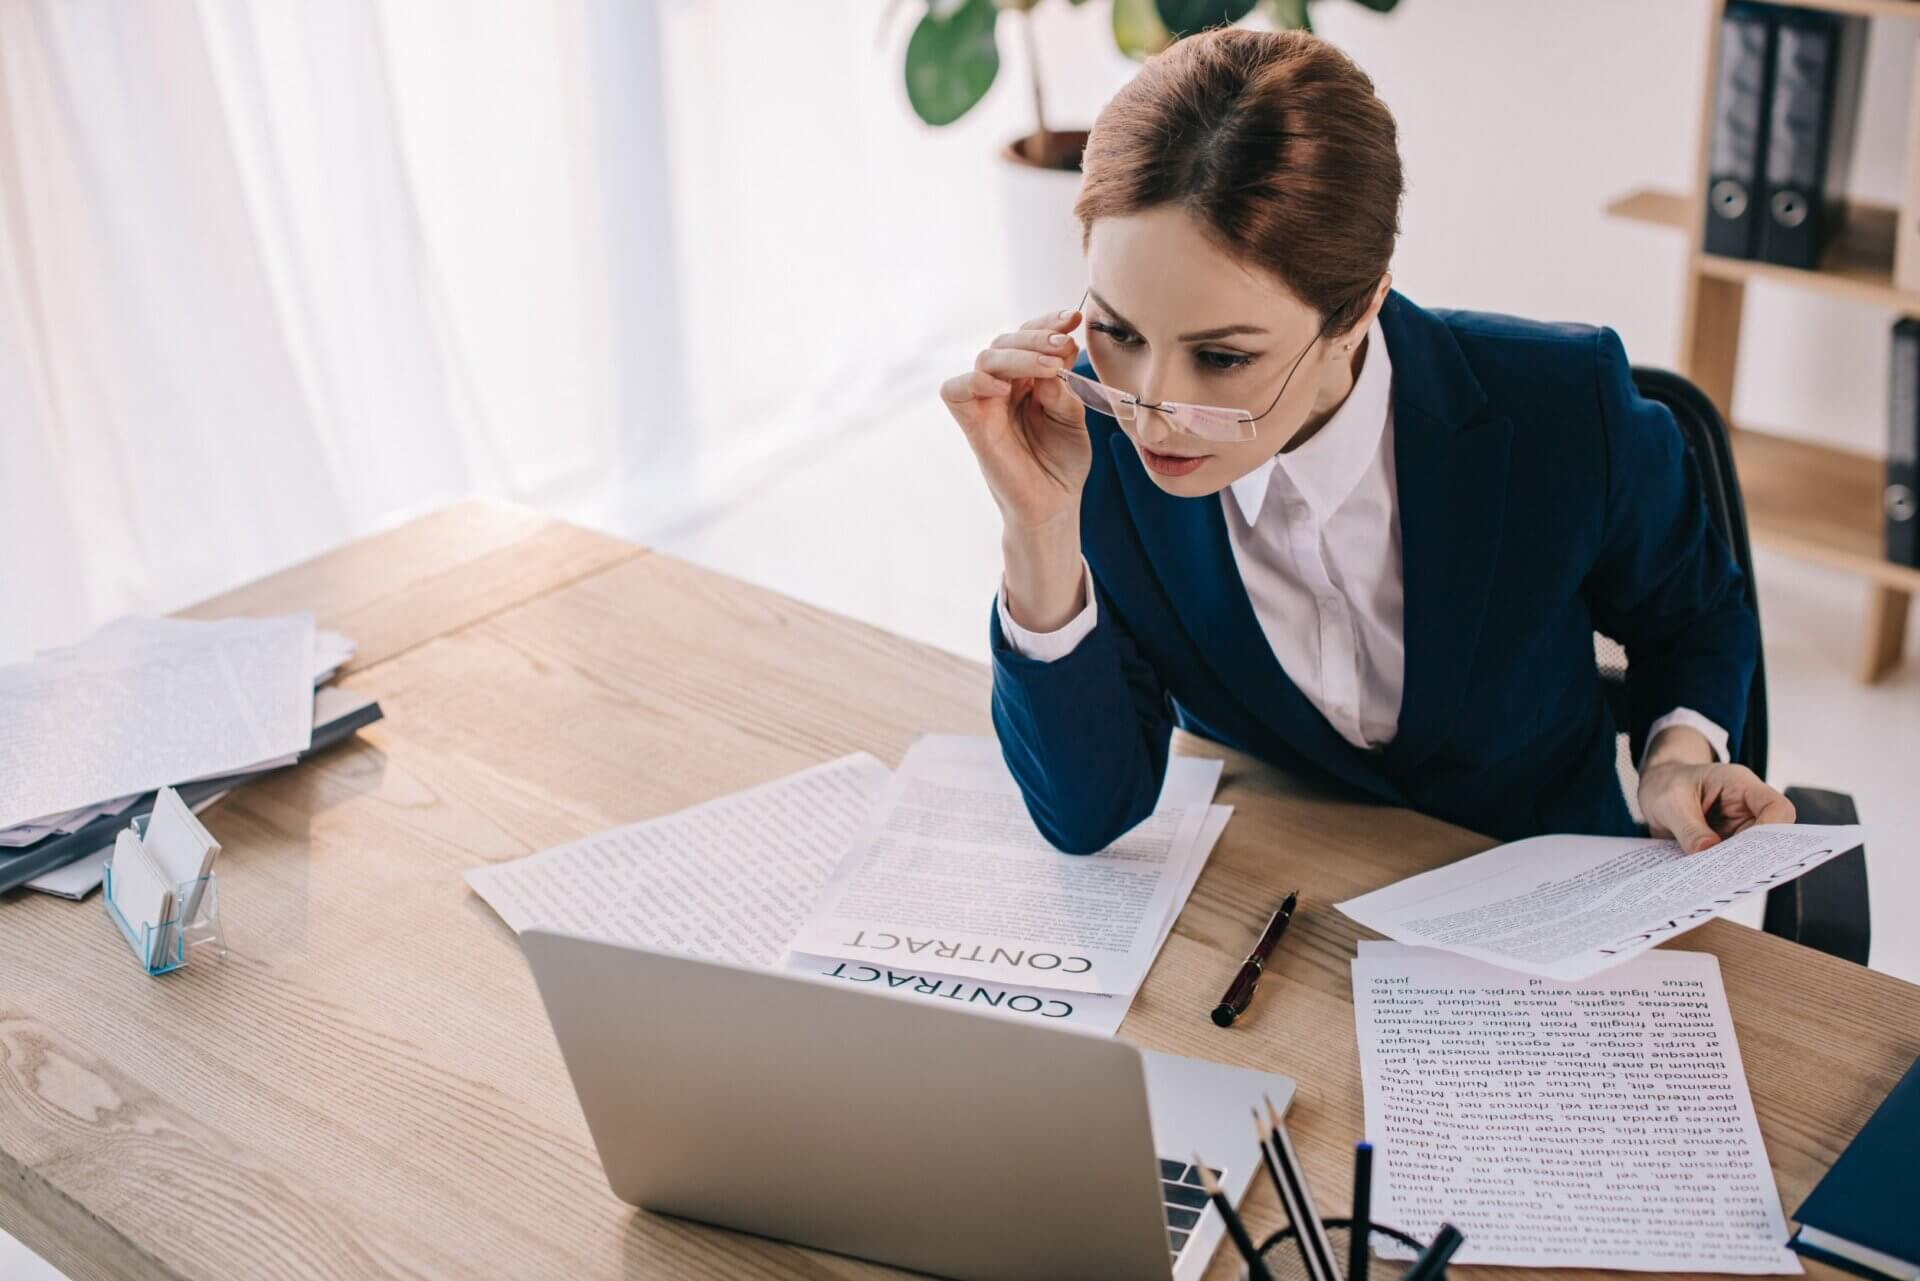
<point x="1276" y="142"/>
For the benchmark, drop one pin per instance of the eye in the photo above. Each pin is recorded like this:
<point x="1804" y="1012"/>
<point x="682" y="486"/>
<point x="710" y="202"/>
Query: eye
<point x="1114" y="334"/>
<point x="1223" y="360"/>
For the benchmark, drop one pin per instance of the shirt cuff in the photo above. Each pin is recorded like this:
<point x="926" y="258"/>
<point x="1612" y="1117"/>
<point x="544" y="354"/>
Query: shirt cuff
<point x="1045" y="647"/>
<point x="1716" y="737"/>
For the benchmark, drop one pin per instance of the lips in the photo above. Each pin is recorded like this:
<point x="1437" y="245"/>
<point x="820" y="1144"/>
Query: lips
<point x="1171" y="464"/>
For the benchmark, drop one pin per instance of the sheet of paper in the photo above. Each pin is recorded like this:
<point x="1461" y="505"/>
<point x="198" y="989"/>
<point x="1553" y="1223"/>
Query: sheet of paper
<point x="118" y="719"/>
<point x="727" y="880"/>
<point x="1603" y="1124"/>
<point x="951" y="875"/>
<point x="1567" y="907"/>
<point x="1094" y="1012"/>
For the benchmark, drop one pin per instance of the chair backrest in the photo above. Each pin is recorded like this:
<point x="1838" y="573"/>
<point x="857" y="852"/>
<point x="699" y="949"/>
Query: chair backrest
<point x="1710" y="444"/>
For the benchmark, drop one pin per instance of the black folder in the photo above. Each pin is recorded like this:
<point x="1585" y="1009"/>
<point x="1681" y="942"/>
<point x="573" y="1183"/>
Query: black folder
<point x="1815" y="102"/>
<point x="1902" y="503"/>
<point x="1737" y="144"/>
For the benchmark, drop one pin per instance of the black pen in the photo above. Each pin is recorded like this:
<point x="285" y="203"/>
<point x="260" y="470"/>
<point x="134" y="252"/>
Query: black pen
<point x="1433" y="1260"/>
<point x="1240" y="992"/>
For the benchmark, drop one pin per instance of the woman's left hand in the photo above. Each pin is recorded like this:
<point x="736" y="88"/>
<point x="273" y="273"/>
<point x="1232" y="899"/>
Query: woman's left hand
<point x="1700" y="805"/>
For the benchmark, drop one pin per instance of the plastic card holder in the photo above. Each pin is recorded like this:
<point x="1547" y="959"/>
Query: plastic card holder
<point x="164" y="946"/>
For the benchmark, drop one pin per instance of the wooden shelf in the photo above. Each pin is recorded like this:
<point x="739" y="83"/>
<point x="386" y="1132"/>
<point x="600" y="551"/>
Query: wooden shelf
<point x="1810" y="501"/>
<point x="1858" y="266"/>
<point x="1817" y="503"/>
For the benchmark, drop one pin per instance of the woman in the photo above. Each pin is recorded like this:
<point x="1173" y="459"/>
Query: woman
<point x="1382" y="547"/>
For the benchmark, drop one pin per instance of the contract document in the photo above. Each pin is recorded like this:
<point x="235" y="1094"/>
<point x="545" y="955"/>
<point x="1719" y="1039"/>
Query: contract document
<point x="950" y="875"/>
<point x="1567" y="907"/>
<point x="1604" y="1124"/>
<point x="733" y="879"/>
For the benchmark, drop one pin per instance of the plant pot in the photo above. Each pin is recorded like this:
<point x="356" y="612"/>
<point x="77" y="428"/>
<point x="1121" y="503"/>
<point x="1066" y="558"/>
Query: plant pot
<point x="1039" y="179"/>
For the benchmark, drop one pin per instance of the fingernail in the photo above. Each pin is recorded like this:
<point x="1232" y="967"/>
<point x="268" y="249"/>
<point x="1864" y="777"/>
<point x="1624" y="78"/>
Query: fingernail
<point x="1057" y="340"/>
<point x="1064" y="314"/>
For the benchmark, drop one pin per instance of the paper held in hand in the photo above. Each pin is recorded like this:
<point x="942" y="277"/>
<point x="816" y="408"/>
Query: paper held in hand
<point x="950" y="875"/>
<point x="1566" y="907"/>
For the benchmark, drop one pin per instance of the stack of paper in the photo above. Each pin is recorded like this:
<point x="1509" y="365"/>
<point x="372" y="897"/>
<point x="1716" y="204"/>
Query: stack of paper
<point x="1602" y="1124"/>
<point x="737" y="878"/>
<point x="89" y="730"/>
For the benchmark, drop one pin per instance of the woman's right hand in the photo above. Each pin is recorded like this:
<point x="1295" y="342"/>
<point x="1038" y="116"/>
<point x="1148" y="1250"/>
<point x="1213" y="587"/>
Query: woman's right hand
<point x="1028" y="432"/>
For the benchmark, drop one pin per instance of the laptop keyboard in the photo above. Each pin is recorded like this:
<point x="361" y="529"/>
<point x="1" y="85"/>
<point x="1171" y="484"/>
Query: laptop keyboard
<point x="1185" y="1201"/>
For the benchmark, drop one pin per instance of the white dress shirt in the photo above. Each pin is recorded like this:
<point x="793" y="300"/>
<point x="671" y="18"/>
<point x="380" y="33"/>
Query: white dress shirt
<point x="1315" y="533"/>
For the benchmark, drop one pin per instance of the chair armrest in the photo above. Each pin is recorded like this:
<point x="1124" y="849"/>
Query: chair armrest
<point x="1827" y="908"/>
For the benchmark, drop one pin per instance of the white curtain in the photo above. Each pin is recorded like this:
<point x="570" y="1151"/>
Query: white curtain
<point x="275" y="273"/>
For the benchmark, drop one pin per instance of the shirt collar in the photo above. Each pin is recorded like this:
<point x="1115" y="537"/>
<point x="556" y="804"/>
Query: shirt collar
<point x="1327" y="468"/>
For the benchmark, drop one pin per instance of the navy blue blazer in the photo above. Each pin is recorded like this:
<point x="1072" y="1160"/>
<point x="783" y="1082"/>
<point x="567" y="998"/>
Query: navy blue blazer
<point x="1540" y="498"/>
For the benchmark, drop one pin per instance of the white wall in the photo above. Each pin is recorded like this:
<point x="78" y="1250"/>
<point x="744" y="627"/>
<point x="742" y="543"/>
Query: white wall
<point x="1520" y="120"/>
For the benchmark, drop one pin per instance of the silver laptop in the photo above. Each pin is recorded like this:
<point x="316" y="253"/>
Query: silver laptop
<point x="962" y="1144"/>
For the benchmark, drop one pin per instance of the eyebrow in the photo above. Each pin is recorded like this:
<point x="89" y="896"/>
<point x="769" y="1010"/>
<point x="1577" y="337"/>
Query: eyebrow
<point x="1199" y="335"/>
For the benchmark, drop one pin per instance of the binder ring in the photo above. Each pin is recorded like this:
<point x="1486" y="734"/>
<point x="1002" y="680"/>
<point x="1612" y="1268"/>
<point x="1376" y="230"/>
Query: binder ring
<point x="1789" y="208"/>
<point x="1901" y="502"/>
<point x="1729" y="198"/>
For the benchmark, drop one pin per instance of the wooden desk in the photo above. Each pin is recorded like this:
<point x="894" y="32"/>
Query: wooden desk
<point x="367" y="1086"/>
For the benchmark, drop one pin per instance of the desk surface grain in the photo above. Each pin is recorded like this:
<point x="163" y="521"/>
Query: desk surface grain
<point x="367" y="1086"/>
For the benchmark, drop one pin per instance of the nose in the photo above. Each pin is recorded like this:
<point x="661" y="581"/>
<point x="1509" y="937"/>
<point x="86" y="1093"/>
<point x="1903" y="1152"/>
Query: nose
<point x="1152" y="427"/>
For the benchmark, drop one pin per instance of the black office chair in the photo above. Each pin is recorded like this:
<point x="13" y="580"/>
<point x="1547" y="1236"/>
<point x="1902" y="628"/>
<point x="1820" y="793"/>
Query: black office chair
<point x="1826" y="908"/>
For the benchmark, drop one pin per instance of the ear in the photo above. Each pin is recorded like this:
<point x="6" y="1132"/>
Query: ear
<point x="1351" y="339"/>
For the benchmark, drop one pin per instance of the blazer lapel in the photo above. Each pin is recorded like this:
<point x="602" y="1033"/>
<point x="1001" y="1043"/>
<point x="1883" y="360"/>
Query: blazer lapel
<point x="1186" y="541"/>
<point x="1450" y="461"/>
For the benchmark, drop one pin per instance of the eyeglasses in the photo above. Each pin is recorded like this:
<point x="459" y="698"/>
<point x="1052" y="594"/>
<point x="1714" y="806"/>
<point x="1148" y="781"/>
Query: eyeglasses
<point x="1207" y="422"/>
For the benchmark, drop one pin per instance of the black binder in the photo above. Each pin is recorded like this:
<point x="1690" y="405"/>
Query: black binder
<point x="1817" y="61"/>
<point x="1903" y="447"/>
<point x="1737" y="145"/>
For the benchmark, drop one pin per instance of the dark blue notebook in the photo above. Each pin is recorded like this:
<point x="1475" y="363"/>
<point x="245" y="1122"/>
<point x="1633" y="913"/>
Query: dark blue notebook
<point x="1869" y="1197"/>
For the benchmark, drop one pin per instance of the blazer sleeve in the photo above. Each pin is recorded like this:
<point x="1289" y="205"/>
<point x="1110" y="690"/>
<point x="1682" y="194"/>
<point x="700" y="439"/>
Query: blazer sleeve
<point x="1664" y="583"/>
<point x="1086" y="735"/>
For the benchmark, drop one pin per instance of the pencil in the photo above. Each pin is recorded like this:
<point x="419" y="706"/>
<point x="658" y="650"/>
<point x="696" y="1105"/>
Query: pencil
<point x="1256" y="1270"/>
<point x="1362" y="1225"/>
<point x="1309" y="1224"/>
<point x="1433" y="1260"/>
<point x="1288" y="1201"/>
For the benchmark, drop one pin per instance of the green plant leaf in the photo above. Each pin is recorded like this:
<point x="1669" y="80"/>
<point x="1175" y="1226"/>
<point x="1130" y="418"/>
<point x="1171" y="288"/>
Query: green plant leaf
<point x="1021" y="5"/>
<point x="951" y="61"/>
<point x="1137" y="28"/>
<point x="1286" y="14"/>
<point x="1184" y="17"/>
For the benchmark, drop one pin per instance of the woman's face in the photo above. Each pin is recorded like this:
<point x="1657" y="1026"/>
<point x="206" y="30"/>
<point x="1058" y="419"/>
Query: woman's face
<point x="1172" y="317"/>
